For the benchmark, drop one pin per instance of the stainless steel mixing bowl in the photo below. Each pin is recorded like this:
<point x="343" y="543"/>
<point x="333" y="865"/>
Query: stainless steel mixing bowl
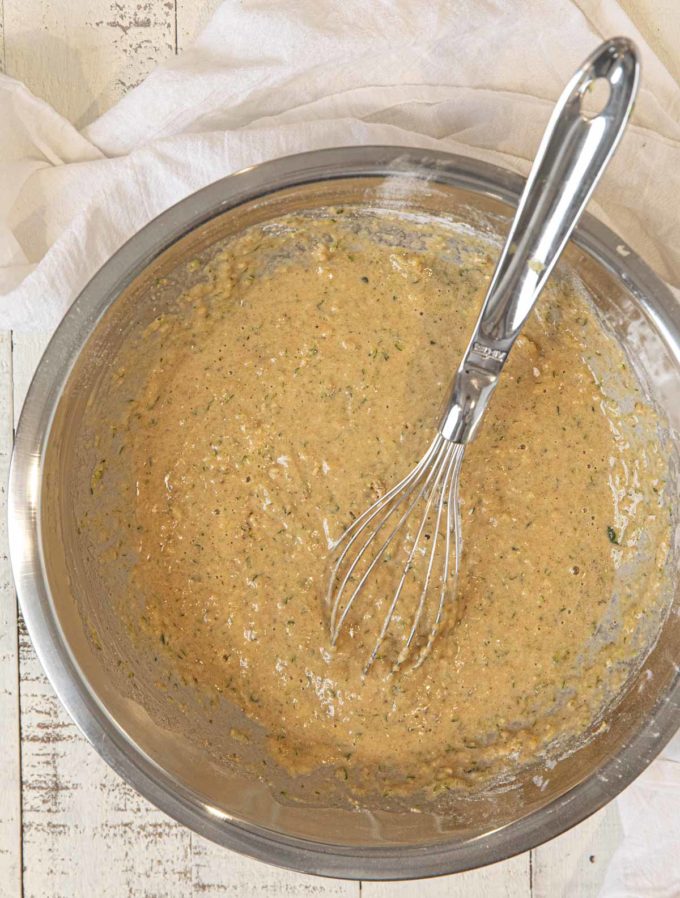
<point x="159" y="747"/>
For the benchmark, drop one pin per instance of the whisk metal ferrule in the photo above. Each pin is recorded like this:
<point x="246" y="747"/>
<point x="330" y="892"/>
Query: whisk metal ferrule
<point x="417" y="523"/>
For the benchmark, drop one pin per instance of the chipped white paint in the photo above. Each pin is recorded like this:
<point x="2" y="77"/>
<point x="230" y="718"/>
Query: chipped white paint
<point x="575" y="864"/>
<point x="26" y="353"/>
<point x="10" y="792"/>
<point x="192" y="15"/>
<point x="85" y="833"/>
<point x="510" y="879"/>
<point x="217" y="873"/>
<point x="82" y="55"/>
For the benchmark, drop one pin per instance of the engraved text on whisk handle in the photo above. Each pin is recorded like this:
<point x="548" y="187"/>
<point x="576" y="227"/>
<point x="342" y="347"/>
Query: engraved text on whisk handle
<point x="487" y="352"/>
<point x="574" y="152"/>
<point x="474" y="383"/>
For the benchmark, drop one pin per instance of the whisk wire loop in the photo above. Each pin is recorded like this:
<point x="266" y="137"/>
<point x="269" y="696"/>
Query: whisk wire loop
<point x="445" y="501"/>
<point x="438" y="470"/>
<point x="571" y="158"/>
<point x="452" y="526"/>
<point x="410" y="485"/>
<point x="433" y="483"/>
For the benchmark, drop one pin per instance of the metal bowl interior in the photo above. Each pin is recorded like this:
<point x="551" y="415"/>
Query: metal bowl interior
<point x="160" y="749"/>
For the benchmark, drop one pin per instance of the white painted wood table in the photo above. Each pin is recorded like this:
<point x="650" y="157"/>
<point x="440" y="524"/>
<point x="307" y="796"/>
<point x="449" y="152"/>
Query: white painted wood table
<point x="69" y="827"/>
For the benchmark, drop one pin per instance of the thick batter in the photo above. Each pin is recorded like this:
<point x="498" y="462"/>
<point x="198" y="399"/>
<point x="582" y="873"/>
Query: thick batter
<point x="304" y="375"/>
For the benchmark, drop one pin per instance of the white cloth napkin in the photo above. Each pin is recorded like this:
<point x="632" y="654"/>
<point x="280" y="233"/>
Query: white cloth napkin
<point x="269" y="78"/>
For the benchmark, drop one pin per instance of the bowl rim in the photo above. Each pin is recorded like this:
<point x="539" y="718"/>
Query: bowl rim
<point x="97" y="725"/>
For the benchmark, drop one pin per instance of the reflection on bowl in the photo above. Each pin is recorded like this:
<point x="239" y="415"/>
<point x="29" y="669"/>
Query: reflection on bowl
<point x="160" y="745"/>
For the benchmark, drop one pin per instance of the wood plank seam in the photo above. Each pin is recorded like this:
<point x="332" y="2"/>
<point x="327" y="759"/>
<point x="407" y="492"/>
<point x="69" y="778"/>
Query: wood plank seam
<point x="2" y="35"/>
<point x="19" y="625"/>
<point x="10" y="748"/>
<point x="565" y="866"/>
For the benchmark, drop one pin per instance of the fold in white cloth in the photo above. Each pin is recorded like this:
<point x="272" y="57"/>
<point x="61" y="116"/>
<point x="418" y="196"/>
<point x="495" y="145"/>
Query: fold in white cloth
<point x="266" y="79"/>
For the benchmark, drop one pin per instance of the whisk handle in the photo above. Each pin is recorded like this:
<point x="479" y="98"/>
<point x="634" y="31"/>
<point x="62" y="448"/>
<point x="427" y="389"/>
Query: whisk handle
<point x="573" y="154"/>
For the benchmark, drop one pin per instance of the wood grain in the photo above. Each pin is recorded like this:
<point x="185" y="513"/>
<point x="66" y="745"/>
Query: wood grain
<point x="10" y="792"/>
<point x="2" y="35"/>
<point x="26" y="353"/>
<point x="85" y="833"/>
<point x="217" y="873"/>
<point x="509" y="879"/>
<point x="82" y="55"/>
<point x="192" y="16"/>
<point x="575" y="863"/>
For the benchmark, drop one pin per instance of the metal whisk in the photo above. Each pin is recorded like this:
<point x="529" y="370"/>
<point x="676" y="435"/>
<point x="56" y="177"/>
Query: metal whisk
<point x="408" y="544"/>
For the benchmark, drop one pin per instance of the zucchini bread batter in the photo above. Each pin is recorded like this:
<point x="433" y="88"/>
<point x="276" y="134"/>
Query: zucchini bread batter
<point x="298" y="379"/>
